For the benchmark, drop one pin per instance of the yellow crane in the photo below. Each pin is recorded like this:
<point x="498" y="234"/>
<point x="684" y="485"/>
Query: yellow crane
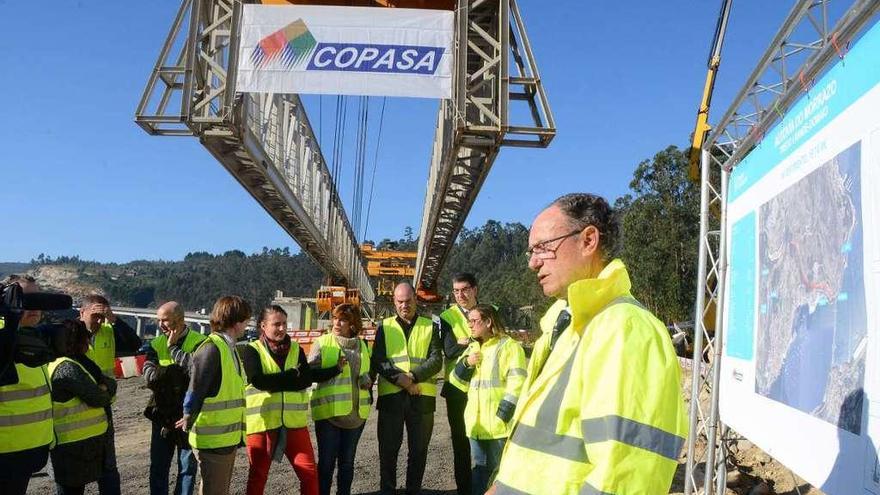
<point x="702" y="128"/>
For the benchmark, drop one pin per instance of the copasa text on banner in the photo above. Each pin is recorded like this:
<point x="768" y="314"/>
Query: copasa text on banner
<point x="345" y="50"/>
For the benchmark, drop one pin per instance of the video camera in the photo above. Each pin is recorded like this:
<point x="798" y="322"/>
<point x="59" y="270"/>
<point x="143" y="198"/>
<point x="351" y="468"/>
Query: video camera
<point x="30" y="346"/>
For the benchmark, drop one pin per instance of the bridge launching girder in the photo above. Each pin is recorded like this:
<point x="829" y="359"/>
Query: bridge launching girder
<point x="474" y="125"/>
<point x="264" y="140"/>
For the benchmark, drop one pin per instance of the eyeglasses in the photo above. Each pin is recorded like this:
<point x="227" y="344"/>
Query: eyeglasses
<point x="474" y="321"/>
<point x="543" y="252"/>
<point x="462" y="290"/>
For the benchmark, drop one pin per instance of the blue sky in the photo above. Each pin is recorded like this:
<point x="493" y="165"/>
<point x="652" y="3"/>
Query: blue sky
<point x="79" y="177"/>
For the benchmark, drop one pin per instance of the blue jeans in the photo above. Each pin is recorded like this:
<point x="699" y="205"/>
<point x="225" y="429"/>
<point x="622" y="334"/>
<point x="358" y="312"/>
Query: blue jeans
<point x="336" y="446"/>
<point x="161" y="454"/>
<point x="486" y="456"/>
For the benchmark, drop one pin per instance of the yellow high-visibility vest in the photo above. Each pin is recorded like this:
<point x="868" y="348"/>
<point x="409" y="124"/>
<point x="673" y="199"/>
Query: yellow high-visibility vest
<point x="498" y="377"/>
<point x="26" y="411"/>
<point x="270" y="410"/>
<point x="74" y="420"/>
<point x="190" y="342"/>
<point x="333" y="398"/>
<point x="407" y="354"/>
<point x="103" y="351"/>
<point x="457" y="320"/>
<point x="605" y="414"/>
<point x="220" y="422"/>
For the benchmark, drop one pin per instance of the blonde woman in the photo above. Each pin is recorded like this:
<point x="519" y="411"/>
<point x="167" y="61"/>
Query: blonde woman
<point x="341" y="404"/>
<point x="494" y="367"/>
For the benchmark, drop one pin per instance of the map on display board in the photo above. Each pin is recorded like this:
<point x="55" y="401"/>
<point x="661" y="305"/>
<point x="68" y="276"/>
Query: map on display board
<point x="799" y="370"/>
<point x="811" y="318"/>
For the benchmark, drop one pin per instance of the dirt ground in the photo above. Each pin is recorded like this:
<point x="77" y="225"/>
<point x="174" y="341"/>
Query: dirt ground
<point x="750" y="470"/>
<point x="133" y="455"/>
<point x="133" y="443"/>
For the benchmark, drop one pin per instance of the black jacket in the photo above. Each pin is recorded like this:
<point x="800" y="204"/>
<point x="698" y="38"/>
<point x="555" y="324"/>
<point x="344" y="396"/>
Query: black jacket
<point x="380" y="364"/>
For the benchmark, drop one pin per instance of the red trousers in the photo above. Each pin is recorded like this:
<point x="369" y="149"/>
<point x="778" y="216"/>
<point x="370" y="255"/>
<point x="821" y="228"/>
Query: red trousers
<point x="299" y="452"/>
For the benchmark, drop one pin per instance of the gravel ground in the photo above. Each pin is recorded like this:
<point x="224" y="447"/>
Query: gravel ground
<point x="133" y="455"/>
<point x="754" y="468"/>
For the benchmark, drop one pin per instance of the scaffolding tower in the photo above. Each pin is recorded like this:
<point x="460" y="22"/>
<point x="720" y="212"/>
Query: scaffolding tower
<point x="806" y="44"/>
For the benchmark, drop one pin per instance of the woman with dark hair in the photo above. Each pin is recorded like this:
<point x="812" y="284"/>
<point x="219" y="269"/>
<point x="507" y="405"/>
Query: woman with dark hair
<point x="213" y="409"/>
<point x="494" y="367"/>
<point x="80" y="396"/>
<point x="340" y="405"/>
<point x="277" y="402"/>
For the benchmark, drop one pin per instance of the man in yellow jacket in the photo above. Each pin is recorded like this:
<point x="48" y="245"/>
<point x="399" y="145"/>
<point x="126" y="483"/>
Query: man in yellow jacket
<point x="601" y="411"/>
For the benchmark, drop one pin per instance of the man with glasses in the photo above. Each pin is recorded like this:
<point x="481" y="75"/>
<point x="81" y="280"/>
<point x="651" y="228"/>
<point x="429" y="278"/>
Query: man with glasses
<point x="455" y="334"/>
<point x="601" y="410"/>
<point x="110" y="337"/>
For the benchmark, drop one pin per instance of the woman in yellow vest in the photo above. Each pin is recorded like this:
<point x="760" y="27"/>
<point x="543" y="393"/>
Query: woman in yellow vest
<point x="213" y="409"/>
<point x="277" y="401"/>
<point x="494" y="366"/>
<point x="340" y="405"/>
<point x="80" y="394"/>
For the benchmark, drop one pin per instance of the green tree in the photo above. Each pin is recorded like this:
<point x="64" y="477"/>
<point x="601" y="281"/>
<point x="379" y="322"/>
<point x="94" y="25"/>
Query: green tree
<point x="660" y="227"/>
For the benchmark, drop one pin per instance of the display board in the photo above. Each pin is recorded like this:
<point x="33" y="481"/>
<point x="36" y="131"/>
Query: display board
<point x="799" y="369"/>
<point x="345" y="50"/>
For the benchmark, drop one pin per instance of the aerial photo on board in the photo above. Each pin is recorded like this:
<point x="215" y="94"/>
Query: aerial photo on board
<point x="812" y="335"/>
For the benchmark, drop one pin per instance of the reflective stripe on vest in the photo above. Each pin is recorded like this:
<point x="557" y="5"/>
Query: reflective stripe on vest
<point x="103" y="350"/>
<point x="334" y="397"/>
<point x="270" y="410"/>
<point x="74" y="420"/>
<point x="457" y="320"/>
<point x="407" y="354"/>
<point x="191" y="340"/>
<point x="220" y="422"/>
<point x="568" y="421"/>
<point x="488" y="387"/>
<point x="26" y="411"/>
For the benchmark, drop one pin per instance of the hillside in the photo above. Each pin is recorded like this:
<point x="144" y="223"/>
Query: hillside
<point x="7" y="268"/>
<point x="493" y="252"/>
<point x="196" y="281"/>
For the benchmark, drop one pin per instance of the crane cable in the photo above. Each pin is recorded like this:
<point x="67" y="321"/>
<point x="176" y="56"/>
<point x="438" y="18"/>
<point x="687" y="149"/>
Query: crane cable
<point x="356" y="191"/>
<point x="362" y="164"/>
<point x="336" y="161"/>
<point x="361" y="147"/>
<point x="339" y="137"/>
<point x="375" y="165"/>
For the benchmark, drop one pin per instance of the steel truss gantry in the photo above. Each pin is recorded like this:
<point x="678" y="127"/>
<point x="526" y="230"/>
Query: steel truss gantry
<point x="475" y="123"/>
<point x="264" y="140"/>
<point x="802" y="49"/>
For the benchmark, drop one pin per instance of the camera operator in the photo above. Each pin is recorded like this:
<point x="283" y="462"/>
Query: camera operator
<point x="109" y="337"/>
<point x="25" y="410"/>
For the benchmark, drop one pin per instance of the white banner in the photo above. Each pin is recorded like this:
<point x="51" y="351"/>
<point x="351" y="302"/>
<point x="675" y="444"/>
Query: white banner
<point x="345" y="50"/>
<point x="800" y="371"/>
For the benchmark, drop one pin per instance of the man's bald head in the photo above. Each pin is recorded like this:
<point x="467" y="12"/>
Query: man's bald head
<point x="405" y="301"/>
<point x="405" y="289"/>
<point x="170" y="317"/>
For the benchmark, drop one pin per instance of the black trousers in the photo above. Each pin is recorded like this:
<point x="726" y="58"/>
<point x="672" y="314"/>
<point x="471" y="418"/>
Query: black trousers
<point x="456" y="400"/>
<point x="419" y="426"/>
<point x="16" y="469"/>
